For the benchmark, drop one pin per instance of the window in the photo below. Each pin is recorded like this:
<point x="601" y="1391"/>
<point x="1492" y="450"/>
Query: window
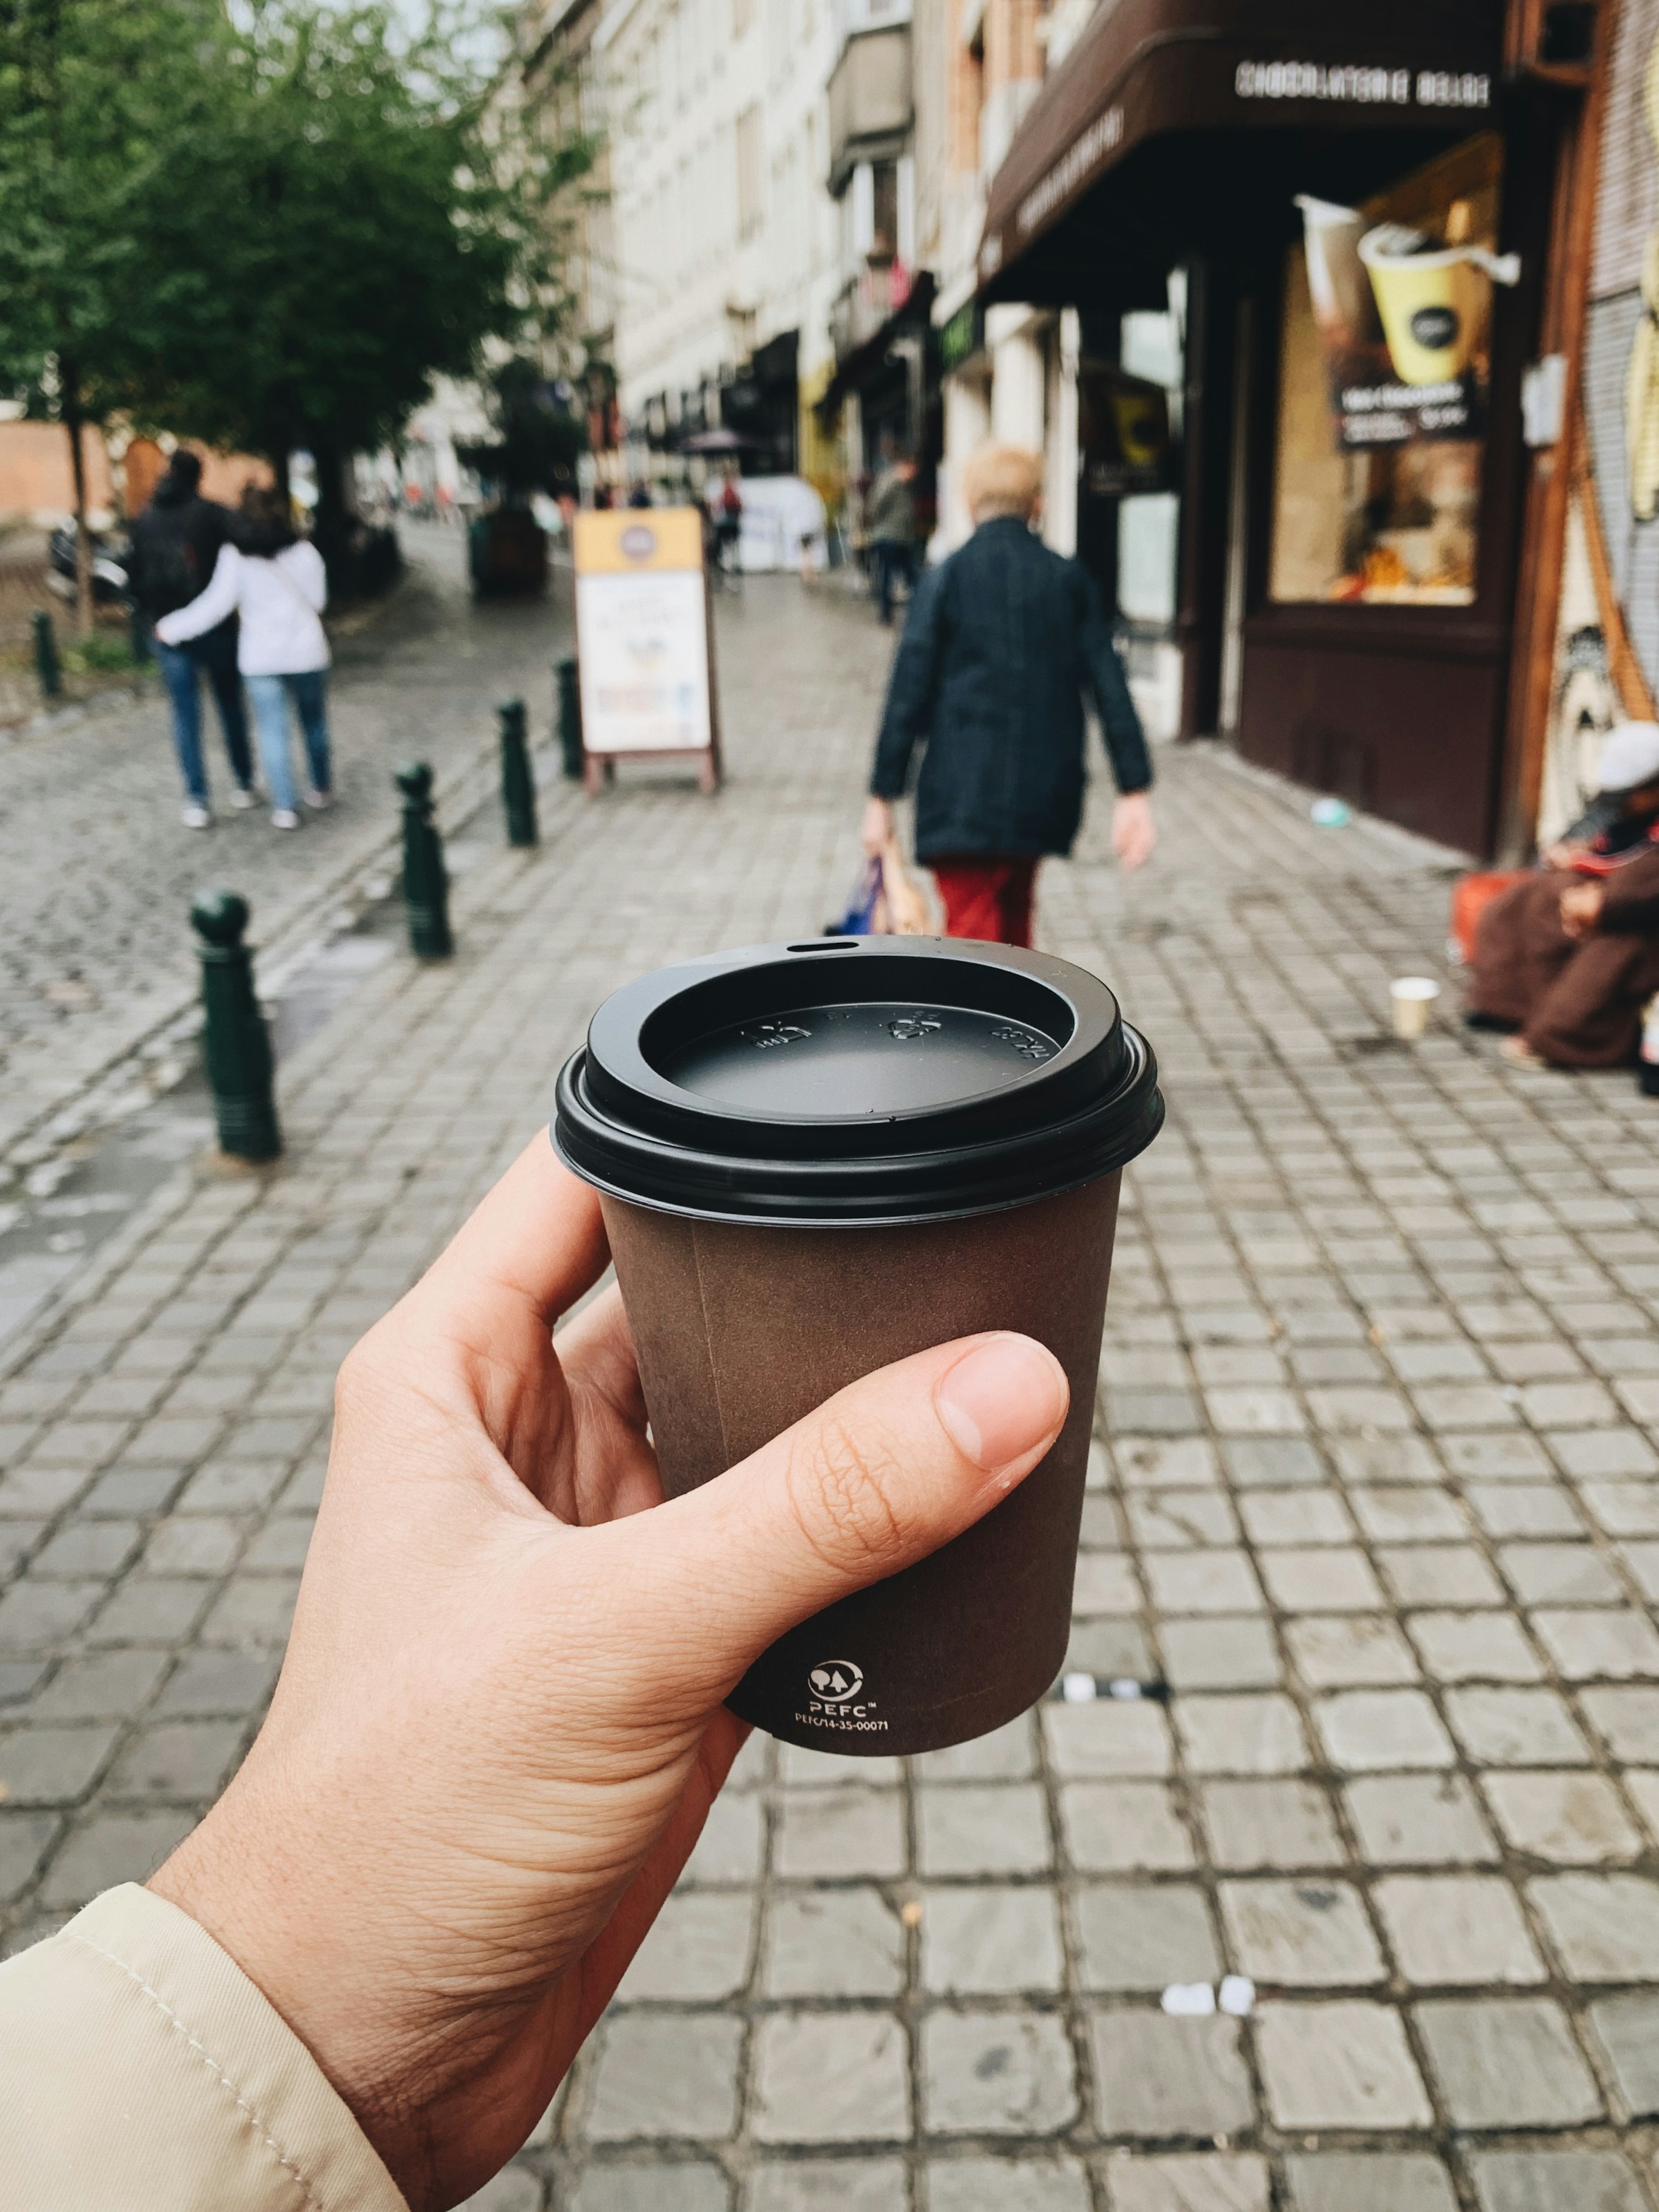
<point x="1385" y="368"/>
<point x="750" y="184"/>
<point x="884" y="211"/>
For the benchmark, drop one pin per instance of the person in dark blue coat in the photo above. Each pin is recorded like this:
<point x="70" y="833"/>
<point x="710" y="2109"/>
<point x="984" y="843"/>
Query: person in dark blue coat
<point x="1003" y="641"/>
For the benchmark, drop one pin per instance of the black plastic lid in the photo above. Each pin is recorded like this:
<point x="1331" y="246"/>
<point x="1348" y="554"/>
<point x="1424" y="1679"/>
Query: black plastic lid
<point x="856" y="1079"/>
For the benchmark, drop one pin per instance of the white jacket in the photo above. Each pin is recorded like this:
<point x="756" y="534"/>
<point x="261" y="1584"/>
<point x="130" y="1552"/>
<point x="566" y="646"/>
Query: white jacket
<point x="279" y="601"/>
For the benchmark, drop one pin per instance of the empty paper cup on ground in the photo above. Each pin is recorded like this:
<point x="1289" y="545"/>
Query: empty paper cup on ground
<point x="1412" y="996"/>
<point x="817" y="1158"/>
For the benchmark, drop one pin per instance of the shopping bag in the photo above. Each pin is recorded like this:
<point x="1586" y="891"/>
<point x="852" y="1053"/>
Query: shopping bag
<point x="907" y="908"/>
<point x="886" y="902"/>
<point x="867" y="916"/>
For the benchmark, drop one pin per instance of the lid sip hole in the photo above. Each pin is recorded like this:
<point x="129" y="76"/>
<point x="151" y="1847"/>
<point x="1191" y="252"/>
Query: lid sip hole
<point x="826" y="945"/>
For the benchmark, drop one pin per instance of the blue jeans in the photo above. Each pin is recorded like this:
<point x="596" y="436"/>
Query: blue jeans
<point x="893" y="560"/>
<point x="181" y="671"/>
<point x="269" y="695"/>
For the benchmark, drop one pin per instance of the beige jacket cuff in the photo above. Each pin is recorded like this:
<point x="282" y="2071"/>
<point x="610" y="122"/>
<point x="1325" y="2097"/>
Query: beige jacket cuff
<point x="139" y="2066"/>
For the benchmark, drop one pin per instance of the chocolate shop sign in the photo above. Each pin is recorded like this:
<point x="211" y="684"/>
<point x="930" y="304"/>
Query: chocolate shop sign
<point x="1356" y="84"/>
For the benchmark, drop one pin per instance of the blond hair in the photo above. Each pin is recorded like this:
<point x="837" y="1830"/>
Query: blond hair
<point x="1001" y="480"/>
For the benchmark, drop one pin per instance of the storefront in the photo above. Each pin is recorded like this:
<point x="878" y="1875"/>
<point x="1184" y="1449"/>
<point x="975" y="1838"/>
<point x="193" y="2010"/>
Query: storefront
<point x="884" y="389"/>
<point x="761" y="405"/>
<point x="1368" y="219"/>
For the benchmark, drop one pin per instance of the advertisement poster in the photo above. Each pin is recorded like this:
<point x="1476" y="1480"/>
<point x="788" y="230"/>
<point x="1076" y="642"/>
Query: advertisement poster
<point x="642" y="633"/>
<point x="1123" y="431"/>
<point x="1403" y="308"/>
<point x="1384" y="394"/>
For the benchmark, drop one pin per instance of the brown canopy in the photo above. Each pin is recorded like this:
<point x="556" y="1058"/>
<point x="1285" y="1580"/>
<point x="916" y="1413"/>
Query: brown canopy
<point x="1169" y="126"/>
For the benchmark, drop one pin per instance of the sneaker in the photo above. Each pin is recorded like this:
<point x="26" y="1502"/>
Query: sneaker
<point x="194" y="816"/>
<point x="319" y="801"/>
<point x="284" y="818"/>
<point x="243" y="797"/>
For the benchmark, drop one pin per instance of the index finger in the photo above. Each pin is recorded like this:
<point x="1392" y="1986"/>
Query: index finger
<point x="535" y="1242"/>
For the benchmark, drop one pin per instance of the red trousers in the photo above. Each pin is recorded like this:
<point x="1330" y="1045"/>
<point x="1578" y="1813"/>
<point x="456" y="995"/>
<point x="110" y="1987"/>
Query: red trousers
<point x="986" y="897"/>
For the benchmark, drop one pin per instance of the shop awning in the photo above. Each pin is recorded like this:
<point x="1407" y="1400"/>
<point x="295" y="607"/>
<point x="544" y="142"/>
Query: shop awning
<point x="1162" y="130"/>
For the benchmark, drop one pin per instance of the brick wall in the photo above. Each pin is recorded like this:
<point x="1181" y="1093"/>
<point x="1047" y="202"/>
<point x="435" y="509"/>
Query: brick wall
<point x="36" y="480"/>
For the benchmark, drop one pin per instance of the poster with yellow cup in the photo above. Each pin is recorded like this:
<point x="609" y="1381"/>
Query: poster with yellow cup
<point x="1434" y="305"/>
<point x="1402" y="288"/>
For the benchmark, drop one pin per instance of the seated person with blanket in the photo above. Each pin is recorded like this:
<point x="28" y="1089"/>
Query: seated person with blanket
<point x="1568" y="958"/>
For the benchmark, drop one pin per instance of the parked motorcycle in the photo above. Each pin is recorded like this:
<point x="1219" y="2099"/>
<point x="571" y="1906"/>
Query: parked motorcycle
<point x="111" y="551"/>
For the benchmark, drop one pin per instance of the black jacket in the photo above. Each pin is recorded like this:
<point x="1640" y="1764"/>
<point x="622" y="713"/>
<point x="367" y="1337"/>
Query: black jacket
<point x="1001" y="641"/>
<point x="175" y="544"/>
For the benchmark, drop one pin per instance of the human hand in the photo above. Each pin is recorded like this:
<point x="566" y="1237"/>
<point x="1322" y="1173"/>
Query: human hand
<point x="877" y="827"/>
<point x="1133" y="832"/>
<point x="1563" y="855"/>
<point x="1580" y="908"/>
<point x="500" y="1726"/>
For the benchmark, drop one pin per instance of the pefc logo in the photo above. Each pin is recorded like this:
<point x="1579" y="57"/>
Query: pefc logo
<point x="837" y="1681"/>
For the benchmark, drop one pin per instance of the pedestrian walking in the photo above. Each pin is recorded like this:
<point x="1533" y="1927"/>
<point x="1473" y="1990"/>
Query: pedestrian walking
<point x="176" y="542"/>
<point x="728" y="523"/>
<point x="274" y="580"/>
<point x="1002" y="642"/>
<point x="892" y="522"/>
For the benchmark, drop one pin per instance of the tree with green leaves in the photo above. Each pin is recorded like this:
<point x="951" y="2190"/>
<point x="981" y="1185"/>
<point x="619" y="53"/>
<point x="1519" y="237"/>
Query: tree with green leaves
<point x="92" y="100"/>
<point x="267" y="228"/>
<point x="365" y="221"/>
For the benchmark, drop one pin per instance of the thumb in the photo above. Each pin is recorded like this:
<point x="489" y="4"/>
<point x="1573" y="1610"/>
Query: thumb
<point x="880" y="1476"/>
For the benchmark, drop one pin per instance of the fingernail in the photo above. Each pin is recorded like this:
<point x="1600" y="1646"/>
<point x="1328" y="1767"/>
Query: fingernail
<point x="1001" y="1399"/>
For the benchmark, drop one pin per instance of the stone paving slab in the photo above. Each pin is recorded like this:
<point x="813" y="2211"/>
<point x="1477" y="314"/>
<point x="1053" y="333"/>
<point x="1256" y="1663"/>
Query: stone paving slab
<point x="1372" y="1528"/>
<point x="97" y="874"/>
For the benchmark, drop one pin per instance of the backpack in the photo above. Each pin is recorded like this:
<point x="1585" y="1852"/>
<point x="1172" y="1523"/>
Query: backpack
<point x="162" y="573"/>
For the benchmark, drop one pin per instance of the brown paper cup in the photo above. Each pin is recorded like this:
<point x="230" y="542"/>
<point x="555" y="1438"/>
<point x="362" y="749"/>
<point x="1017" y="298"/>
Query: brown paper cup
<point x="742" y="1331"/>
<point x="815" y="1160"/>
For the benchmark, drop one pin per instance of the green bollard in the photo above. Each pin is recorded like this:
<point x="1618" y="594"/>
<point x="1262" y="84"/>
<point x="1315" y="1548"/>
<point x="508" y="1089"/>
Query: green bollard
<point x="235" y="1043"/>
<point x="517" y="785"/>
<point x="570" y="719"/>
<point x="47" y="665"/>
<point x="426" y="884"/>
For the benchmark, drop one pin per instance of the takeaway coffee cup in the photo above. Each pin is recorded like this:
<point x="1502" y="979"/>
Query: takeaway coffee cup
<point x="1412" y="999"/>
<point x="816" y="1159"/>
<point x="1433" y="303"/>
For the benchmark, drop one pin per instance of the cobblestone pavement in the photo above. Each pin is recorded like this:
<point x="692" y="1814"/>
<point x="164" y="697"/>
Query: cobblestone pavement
<point x="97" y="874"/>
<point x="1372" y="1525"/>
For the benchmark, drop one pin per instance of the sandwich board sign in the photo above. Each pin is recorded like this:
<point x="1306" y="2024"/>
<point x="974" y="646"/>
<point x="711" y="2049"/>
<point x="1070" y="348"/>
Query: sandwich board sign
<point x="643" y="644"/>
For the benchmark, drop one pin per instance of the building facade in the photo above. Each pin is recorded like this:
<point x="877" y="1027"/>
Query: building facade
<point x="724" y="252"/>
<point x="1295" y="297"/>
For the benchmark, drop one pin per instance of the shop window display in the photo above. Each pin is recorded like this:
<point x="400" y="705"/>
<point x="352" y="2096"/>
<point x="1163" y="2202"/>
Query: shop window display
<point x="1385" y="373"/>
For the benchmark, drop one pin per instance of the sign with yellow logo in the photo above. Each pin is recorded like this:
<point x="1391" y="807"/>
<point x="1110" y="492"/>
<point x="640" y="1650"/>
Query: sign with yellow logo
<point x="642" y="638"/>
